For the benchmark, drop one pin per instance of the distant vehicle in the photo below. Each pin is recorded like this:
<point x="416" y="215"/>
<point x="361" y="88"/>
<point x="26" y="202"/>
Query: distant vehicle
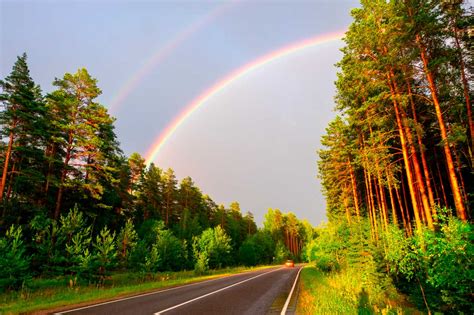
<point x="289" y="263"/>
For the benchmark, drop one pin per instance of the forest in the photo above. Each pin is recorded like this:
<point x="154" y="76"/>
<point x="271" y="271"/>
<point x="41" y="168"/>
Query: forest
<point x="74" y="206"/>
<point x="397" y="161"/>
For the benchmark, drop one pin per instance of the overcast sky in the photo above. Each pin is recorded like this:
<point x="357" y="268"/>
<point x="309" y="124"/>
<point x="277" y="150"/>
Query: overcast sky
<point x="254" y="142"/>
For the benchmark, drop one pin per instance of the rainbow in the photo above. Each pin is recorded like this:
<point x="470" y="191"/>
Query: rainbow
<point x="235" y="75"/>
<point x="158" y="56"/>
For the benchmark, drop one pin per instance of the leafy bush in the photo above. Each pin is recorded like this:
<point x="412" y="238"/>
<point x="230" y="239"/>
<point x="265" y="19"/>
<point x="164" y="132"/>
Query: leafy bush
<point x="440" y="262"/>
<point x="281" y="253"/>
<point x="104" y="254"/>
<point x="327" y="263"/>
<point x="215" y="245"/>
<point x="258" y="248"/>
<point x="14" y="265"/>
<point x="202" y="264"/>
<point x="171" y="250"/>
<point x="151" y="263"/>
<point x="126" y="241"/>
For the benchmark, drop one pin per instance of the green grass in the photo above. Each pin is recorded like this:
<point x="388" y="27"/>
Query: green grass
<point x="343" y="293"/>
<point x="46" y="293"/>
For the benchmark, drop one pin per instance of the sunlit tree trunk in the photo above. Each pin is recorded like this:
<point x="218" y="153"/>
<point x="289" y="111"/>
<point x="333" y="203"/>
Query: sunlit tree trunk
<point x="5" y="164"/>
<point x="406" y="158"/>
<point x="392" y="202"/>
<point x="441" y="179"/>
<point x="354" y="190"/>
<point x="466" y="92"/>
<point x="414" y="159"/>
<point x="422" y="151"/>
<point x="458" y="202"/>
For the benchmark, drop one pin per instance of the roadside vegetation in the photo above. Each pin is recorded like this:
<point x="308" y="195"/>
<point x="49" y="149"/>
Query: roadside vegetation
<point x="397" y="167"/>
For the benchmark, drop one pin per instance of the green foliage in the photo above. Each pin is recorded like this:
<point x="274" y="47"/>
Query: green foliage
<point x="258" y="248"/>
<point x="281" y="253"/>
<point x="171" y="250"/>
<point x="202" y="263"/>
<point x="105" y="254"/>
<point x="440" y="259"/>
<point x="77" y="253"/>
<point x="14" y="265"/>
<point x="152" y="261"/>
<point x="213" y="244"/>
<point x="126" y="241"/>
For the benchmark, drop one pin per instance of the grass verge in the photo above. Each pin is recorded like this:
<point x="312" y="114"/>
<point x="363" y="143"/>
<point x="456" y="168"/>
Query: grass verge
<point x="344" y="293"/>
<point x="55" y="293"/>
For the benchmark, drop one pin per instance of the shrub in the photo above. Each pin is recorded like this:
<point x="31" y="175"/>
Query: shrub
<point x="281" y="253"/>
<point x="14" y="265"/>
<point x="327" y="263"/>
<point x="202" y="264"/>
<point x="215" y="245"/>
<point x="104" y="254"/>
<point x="126" y="241"/>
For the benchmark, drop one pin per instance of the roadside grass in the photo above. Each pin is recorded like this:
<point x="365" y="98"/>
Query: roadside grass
<point x="343" y="293"/>
<point x="55" y="293"/>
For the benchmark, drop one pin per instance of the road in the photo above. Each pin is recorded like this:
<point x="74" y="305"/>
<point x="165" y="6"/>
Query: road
<point x="258" y="292"/>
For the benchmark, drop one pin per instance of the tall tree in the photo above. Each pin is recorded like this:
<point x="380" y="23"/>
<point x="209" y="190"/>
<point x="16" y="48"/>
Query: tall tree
<point x="79" y="121"/>
<point x="22" y="121"/>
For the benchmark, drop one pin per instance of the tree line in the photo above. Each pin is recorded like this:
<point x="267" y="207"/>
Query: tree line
<point x="401" y="151"/>
<point x="73" y="204"/>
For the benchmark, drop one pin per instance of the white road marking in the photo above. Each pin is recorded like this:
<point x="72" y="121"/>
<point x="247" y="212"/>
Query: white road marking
<point x="145" y="294"/>
<point x="285" y="307"/>
<point x="213" y="292"/>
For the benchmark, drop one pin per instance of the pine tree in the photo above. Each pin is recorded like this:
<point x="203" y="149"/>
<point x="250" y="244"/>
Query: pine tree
<point x="23" y="123"/>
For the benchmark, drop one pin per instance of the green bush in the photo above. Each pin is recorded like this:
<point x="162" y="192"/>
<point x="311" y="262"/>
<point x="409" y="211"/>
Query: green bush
<point x="215" y="245"/>
<point x="281" y="253"/>
<point x="171" y="250"/>
<point x="327" y="263"/>
<point x="440" y="262"/>
<point x="104" y="255"/>
<point x="126" y="241"/>
<point x="258" y="248"/>
<point x="14" y="265"/>
<point x="202" y="264"/>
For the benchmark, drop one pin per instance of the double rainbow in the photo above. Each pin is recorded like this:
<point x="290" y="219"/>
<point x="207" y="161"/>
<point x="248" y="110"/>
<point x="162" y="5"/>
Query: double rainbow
<point x="163" y="52"/>
<point x="235" y="75"/>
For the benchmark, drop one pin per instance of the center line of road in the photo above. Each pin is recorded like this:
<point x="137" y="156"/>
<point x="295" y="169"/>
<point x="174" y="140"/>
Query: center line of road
<point x="213" y="292"/>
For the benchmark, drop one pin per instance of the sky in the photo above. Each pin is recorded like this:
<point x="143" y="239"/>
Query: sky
<point x="254" y="141"/>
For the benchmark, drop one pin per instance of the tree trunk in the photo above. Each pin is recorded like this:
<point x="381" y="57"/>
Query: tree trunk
<point x="406" y="159"/>
<point x="10" y="182"/>
<point x="445" y="198"/>
<point x="392" y="202"/>
<point x="5" y="164"/>
<point x="407" y="212"/>
<point x="414" y="159"/>
<point x="64" y="172"/>
<point x="354" y="190"/>
<point x="458" y="202"/>
<point x="466" y="93"/>
<point x="422" y="151"/>
<point x="402" y="212"/>
<point x="346" y="208"/>
<point x="369" y="206"/>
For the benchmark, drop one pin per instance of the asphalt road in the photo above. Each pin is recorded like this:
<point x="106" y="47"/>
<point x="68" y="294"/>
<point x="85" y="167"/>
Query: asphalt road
<point x="258" y="292"/>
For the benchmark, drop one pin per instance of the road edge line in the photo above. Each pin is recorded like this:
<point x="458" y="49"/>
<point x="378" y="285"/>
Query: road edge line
<point x="213" y="292"/>
<point x="285" y="307"/>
